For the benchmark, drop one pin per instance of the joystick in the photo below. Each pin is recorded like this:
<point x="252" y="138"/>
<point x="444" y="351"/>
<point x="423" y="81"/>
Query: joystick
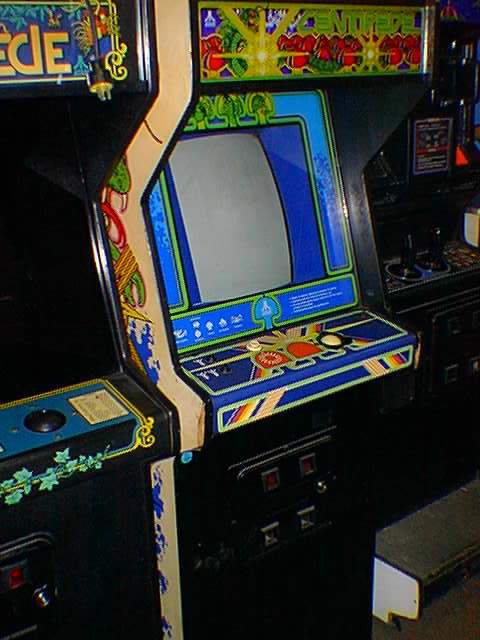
<point x="406" y="269"/>
<point x="44" y="420"/>
<point x="433" y="260"/>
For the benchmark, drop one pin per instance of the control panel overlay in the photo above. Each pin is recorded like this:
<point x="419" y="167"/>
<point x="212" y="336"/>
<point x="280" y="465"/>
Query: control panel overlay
<point x="282" y="368"/>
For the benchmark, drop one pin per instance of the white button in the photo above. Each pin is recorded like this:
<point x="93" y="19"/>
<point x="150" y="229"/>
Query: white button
<point x="254" y="345"/>
<point x="331" y="340"/>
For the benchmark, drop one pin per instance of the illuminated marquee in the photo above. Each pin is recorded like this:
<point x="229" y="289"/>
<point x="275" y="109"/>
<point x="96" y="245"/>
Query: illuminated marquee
<point x="53" y="43"/>
<point x="244" y="41"/>
<point x="42" y="53"/>
<point x="360" y="22"/>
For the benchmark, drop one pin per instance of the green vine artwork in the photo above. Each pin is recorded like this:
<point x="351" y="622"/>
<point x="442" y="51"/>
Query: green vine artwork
<point x="13" y="490"/>
<point x="260" y="105"/>
<point x="203" y="113"/>
<point x="232" y="110"/>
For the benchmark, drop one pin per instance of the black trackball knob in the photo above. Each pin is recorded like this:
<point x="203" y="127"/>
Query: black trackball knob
<point x="45" y="420"/>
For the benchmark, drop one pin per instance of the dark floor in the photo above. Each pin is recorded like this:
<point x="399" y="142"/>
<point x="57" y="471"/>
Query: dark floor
<point x="454" y="616"/>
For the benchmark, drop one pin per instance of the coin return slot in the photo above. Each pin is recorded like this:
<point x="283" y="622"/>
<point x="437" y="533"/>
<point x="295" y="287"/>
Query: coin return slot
<point x="271" y="535"/>
<point x="306" y="518"/>
<point x="451" y="373"/>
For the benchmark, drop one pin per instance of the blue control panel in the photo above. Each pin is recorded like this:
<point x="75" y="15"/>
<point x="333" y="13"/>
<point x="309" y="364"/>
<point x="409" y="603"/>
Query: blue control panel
<point x="280" y="369"/>
<point x="55" y="417"/>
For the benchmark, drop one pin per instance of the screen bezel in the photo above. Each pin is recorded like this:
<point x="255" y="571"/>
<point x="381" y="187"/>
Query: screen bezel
<point x="309" y="110"/>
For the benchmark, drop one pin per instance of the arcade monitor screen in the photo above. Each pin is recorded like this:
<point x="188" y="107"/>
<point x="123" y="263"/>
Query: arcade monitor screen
<point x="233" y="216"/>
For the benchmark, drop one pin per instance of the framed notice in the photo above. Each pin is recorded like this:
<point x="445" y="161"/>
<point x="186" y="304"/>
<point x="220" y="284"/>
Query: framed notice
<point x="432" y="145"/>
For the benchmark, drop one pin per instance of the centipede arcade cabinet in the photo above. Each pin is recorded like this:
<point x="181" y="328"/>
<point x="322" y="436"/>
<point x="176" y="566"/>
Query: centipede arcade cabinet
<point x="253" y="312"/>
<point x="77" y="434"/>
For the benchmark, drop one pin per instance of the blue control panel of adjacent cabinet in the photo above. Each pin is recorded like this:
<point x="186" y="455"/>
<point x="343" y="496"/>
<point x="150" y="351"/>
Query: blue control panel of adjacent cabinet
<point x="54" y="417"/>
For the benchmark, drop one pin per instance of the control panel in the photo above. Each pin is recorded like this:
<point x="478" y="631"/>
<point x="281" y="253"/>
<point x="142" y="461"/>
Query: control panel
<point x="416" y="267"/>
<point x="277" y="370"/>
<point x="53" y="418"/>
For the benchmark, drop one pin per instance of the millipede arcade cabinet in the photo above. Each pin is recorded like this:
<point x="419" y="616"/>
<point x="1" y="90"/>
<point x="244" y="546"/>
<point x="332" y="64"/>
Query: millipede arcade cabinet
<point x="77" y="433"/>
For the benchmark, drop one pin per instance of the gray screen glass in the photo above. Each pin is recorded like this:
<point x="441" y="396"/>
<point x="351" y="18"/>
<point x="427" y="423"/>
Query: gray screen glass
<point x="232" y="214"/>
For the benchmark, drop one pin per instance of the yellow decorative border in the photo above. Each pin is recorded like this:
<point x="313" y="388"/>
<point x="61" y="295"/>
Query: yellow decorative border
<point x="22" y="481"/>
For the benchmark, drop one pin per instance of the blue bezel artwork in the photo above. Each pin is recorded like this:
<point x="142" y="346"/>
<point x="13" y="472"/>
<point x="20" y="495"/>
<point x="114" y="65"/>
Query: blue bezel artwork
<point x="323" y="277"/>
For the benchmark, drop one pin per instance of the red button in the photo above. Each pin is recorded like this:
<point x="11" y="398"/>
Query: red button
<point x="307" y="465"/>
<point x="271" y="479"/>
<point x="271" y="359"/>
<point x="16" y="578"/>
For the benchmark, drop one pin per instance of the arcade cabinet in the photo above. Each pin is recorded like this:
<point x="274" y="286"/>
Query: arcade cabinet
<point x="77" y="432"/>
<point x="237" y="204"/>
<point x="423" y="188"/>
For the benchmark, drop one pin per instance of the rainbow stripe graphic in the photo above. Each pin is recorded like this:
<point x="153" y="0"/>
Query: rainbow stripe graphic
<point x="256" y="409"/>
<point x="379" y="366"/>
